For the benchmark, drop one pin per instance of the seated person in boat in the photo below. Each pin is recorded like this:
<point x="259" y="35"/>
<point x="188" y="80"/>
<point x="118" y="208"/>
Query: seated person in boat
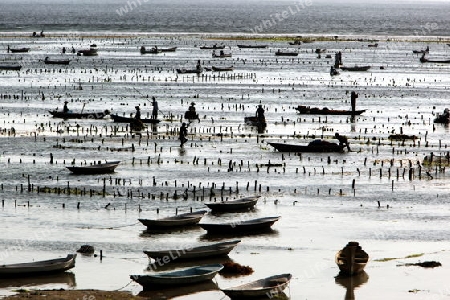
<point x="65" y="108"/>
<point x="343" y="141"/>
<point x="260" y="114"/>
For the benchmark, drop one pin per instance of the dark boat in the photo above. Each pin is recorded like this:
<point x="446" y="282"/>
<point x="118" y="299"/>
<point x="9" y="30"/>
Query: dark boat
<point x="355" y="68"/>
<point x="189" y="71"/>
<point x="213" y="47"/>
<point x="443" y="118"/>
<point x="295" y="43"/>
<point x="38" y="267"/>
<point x="171" y="49"/>
<point x="242" y="204"/>
<point x="424" y="60"/>
<point x="119" y="119"/>
<point x="93" y="115"/>
<point x="222" y="69"/>
<point x="352" y="259"/>
<point x="318" y="50"/>
<point x="187" y="219"/>
<point x="314" y="146"/>
<point x="47" y="61"/>
<point x="92" y="51"/>
<point x="251" y="46"/>
<point x="10" y="67"/>
<point x="19" y="50"/>
<point x="249" y="226"/>
<point x="373" y="45"/>
<point x="281" y="53"/>
<point x="264" y="288"/>
<point x="221" y="55"/>
<point x="301" y="109"/>
<point x="153" y="50"/>
<point x="253" y="121"/>
<point x="95" y="169"/>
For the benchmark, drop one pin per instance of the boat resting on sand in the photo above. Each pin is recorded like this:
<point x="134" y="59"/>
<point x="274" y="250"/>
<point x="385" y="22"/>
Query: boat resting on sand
<point x="189" y="71"/>
<point x="246" y="203"/>
<point x="222" y="69"/>
<point x="424" y="60"/>
<point x="194" y="253"/>
<point x="213" y="47"/>
<point x="69" y="115"/>
<point x="38" y="267"/>
<point x="355" y="68"/>
<point x="19" y="50"/>
<point x="301" y="109"/>
<point x="314" y="146"/>
<point x="95" y="169"/>
<point x="177" y="278"/>
<point x="249" y="226"/>
<point x="48" y="61"/>
<point x="251" y="46"/>
<point x="262" y="288"/>
<point x="352" y="259"/>
<point x="280" y="53"/>
<point x="119" y="119"/>
<point x="177" y="221"/>
<point x="10" y="67"/>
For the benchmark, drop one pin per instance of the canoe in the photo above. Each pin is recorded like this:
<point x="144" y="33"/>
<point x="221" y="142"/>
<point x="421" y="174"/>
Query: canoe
<point x="246" y="203"/>
<point x="177" y="278"/>
<point x="280" y="53"/>
<point x="119" y="119"/>
<point x="318" y="50"/>
<point x="212" y="47"/>
<point x="93" y="115"/>
<point x="194" y="253"/>
<point x="355" y="68"/>
<point x="175" y="221"/>
<point x="221" y="55"/>
<point x="189" y="71"/>
<point x="253" y="121"/>
<point x="424" y="60"/>
<point x="95" y="169"/>
<point x="19" y="50"/>
<point x="10" y="67"/>
<point x="301" y="109"/>
<point x="92" y="51"/>
<point x="222" y="69"/>
<point x="351" y="259"/>
<point x="38" y="267"/>
<point x="250" y="226"/>
<point x="252" y="46"/>
<point x="323" y="147"/>
<point x="151" y="50"/>
<point x="47" y="61"/>
<point x="266" y="287"/>
<point x="171" y="49"/>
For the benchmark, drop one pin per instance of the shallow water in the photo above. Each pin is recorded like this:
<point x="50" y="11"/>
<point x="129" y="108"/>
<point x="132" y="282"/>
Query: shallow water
<point x="320" y="211"/>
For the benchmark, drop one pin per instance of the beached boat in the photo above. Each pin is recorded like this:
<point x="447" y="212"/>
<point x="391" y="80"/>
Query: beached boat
<point x="352" y="259"/>
<point x="95" y="169"/>
<point x="281" y="53"/>
<point x="248" y="226"/>
<point x="213" y="47"/>
<point x="373" y="45"/>
<point x="301" y="109"/>
<point x="263" y="288"/>
<point x="38" y="267"/>
<point x="355" y="68"/>
<point x="295" y="43"/>
<point x="314" y="146"/>
<point x="119" y="119"/>
<point x="253" y="121"/>
<point x="48" y="61"/>
<point x="186" y="219"/>
<point x="422" y="51"/>
<point x="221" y="55"/>
<point x="153" y="50"/>
<point x="10" y="67"/>
<point x="18" y="50"/>
<point x="92" y="51"/>
<point x="318" y="50"/>
<point x="188" y="71"/>
<point x="424" y="60"/>
<point x="222" y="69"/>
<point x="246" y="203"/>
<point x="69" y="115"/>
<point x="177" y="278"/>
<point x="194" y="253"/>
<point x="251" y="46"/>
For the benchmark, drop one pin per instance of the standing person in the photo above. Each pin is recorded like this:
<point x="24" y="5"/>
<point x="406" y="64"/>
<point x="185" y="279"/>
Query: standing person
<point x="137" y="116"/>
<point x="65" y="108"/>
<point x="260" y="114"/>
<point x="155" y="108"/>
<point x="343" y="141"/>
<point x="183" y="134"/>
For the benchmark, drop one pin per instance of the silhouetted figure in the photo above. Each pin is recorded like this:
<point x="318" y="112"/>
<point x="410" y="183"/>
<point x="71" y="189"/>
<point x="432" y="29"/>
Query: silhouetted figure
<point x="73" y="50"/>
<point x="260" y="114"/>
<point x="155" y="108"/>
<point x="353" y="97"/>
<point x="64" y="50"/>
<point x="137" y="116"/>
<point x="183" y="134"/>
<point x="343" y="141"/>
<point x="65" y="108"/>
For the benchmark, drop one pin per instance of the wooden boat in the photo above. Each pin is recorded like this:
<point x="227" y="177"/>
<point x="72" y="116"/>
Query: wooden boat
<point x="252" y="46"/>
<point x="171" y="49"/>
<point x="175" y="221"/>
<point x="355" y="68"/>
<point x="69" y="115"/>
<point x="351" y="259"/>
<point x="373" y="45"/>
<point x="295" y="43"/>
<point x="301" y="109"/>
<point x="318" y="50"/>
<point x="401" y="137"/>
<point x="246" y="203"/>
<point x="38" y="267"/>
<point x="221" y="55"/>
<point x="188" y="71"/>
<point x="151" y="51"/>
<point x="322" y="146"/>
<point x="253" y="121"/>
<point x="424" y="60"/>
<point x="19" y="50"/>
<point x="177" y="278"/>
<point x="119" y="119"/>
<point x="95" y="169"/>
<point x="281" y="53"/>
<point x="213" y="47"/>
<point x="10" y="67"/>
<point x="222" y="69"/>
<point x="194" y="253"/>
<point x="262" y="288"/>
<point x="92" y="51"/>
<point x="250" y="226"/>
<point x="47" y="61"/>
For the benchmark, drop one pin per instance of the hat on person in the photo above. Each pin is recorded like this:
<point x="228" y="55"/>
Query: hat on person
<point x="192" y="103"/>
<point x="66" y="101"/>
<point x="137" y="107"/>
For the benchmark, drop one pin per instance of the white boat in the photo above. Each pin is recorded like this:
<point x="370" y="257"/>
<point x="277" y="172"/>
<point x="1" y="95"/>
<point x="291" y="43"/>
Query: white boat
<point x="267" y="287"/>
<point x="38" y="267"/>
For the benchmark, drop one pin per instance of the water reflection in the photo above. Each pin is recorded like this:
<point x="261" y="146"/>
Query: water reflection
<point x="351" y="283"/>
<point x="221" y="235"/>
<point x="66" y="278"/>
<point x="171" y="292"/>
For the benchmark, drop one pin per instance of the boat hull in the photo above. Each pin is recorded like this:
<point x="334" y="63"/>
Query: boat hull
<point x="333" y="112"/>
<point x="351" y="260"/>
<point x="62" y="115"/>
<point x="94" y="169"/>
<point x="10" y="68"/>
<point x="119" y="119"/>
<point x="250" y="226"/>
<point x="39" y="267"/>
<point x="331" y="147"/>
<point x="187" y="219"/>
<point x="265" y="287"/>
<point x="233" y="205"/>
